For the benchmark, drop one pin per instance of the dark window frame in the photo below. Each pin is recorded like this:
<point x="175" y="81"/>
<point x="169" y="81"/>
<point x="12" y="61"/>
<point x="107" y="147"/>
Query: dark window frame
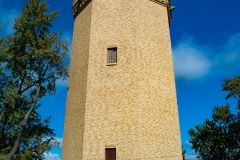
<point x="112" y="55"/>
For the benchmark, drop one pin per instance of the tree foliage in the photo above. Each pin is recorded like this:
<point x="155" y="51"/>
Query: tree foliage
<point x="232" y="86"/>
<point x="31" y="61"/>
<point x="219" y="138"/>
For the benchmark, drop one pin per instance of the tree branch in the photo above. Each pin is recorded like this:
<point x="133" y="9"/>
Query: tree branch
<point x="28" y="87"/>
<point x="24" y="121"/>
<point x="22" y="81"/>
<point x="23" y="125"/>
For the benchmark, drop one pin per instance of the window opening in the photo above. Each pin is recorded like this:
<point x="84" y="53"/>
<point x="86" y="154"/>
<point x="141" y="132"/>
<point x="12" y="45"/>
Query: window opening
<point x="112" y="55"/>
<point x="110" y="153"/>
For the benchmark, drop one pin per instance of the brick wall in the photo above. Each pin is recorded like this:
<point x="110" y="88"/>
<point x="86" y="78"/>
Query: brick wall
<point x="131" y="105"/>
<point x="76" y="98"/>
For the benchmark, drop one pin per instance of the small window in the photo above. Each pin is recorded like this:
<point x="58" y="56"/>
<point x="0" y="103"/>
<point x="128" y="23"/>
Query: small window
<point x="112" y="55"/>
<point x="110" y="153"/>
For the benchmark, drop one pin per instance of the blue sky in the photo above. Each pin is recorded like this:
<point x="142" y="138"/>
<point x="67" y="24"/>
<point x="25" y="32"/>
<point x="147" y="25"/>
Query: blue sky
<point x="206" y="49"/>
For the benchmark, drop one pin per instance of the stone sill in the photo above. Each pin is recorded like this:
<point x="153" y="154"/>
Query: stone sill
<point x="111" y="64"/>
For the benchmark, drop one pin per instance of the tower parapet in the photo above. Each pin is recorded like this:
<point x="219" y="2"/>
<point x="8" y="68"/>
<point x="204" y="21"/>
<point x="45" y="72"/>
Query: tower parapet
<point x="79" y="5"/>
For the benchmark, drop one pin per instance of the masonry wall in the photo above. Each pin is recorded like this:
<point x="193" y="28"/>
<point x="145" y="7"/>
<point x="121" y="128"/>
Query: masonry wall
<point x="131" y="106"/>
<point x="77" y="88"/>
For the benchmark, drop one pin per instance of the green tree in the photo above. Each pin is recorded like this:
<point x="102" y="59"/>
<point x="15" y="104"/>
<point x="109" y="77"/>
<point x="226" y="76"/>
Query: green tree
<point x="232" y="86"/>
<point x="31" y="61"/>
<point x="1" y="39"/>
<point x="216" y="139"/>
<point x="219" y="138"/>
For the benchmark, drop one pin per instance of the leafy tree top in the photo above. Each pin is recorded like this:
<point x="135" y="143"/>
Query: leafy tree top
<point x="219" y="138"/>
<point x="31" y="61"/>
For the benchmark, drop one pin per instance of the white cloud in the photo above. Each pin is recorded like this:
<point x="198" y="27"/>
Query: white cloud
<point x="53" y="142"/>
<point x="192" y="61"/>
<point x="188" y="143"/>
<point x="59" y="140"/>
<point x="51" y="156"/>
<point x="228" y="59"/>
<point x="190" y="156"/>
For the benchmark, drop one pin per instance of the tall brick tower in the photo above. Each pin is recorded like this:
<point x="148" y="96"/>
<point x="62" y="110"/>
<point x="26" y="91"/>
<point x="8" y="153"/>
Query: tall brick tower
<point x="122" y="98"/>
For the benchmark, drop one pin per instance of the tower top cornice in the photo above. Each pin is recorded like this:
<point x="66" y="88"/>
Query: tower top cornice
<point x="79" y="5"/>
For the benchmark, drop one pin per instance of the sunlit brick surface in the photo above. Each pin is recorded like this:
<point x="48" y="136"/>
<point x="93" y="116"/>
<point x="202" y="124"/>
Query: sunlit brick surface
<point x="131" y="105"/>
